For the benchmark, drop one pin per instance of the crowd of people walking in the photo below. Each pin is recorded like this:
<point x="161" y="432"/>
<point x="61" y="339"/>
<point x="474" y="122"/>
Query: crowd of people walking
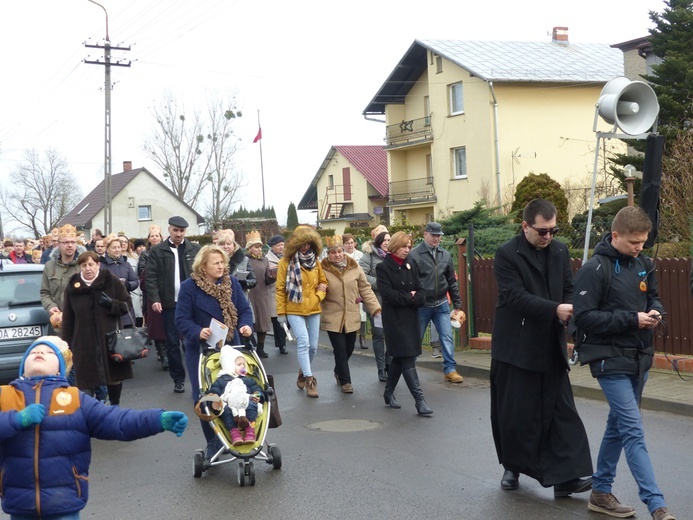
<point x="291" y="287"/>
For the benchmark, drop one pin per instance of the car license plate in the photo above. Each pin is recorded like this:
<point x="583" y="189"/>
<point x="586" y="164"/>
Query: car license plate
<point x="20" y="332"/>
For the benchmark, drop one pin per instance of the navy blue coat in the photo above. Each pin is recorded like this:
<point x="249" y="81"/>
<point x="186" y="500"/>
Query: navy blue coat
<point x="46" y="468"/>
<point x="195" y="310"/>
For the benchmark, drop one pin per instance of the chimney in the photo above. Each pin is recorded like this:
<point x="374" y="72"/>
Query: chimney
<point x="560" y="35"/>
<point x="127" y="165"/>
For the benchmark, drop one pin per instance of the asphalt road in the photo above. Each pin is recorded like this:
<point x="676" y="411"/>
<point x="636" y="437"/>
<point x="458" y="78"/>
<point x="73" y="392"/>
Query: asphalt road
<point x="404" y="467"/>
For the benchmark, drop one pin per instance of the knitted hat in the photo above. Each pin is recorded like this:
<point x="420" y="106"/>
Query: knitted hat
<point x="274" y="240"/>
<point x="252" y="238"/>
<point x="68" y="231"/>
<point x="61" y="349"/>
<point x="227" y="360"/>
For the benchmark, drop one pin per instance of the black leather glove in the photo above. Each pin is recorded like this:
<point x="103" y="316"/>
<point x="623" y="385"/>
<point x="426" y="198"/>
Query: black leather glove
<point x="105" y="300"/>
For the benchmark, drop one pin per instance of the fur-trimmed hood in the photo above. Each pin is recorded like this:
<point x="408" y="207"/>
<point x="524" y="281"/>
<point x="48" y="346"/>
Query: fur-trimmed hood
<point x="303" y="235"/>
<point x="329" y="266"/>
<point x="55" y="254"/>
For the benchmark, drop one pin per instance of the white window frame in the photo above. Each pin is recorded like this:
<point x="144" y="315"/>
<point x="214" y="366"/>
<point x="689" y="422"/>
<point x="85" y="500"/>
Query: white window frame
<point x="139" y="214"/>
<point x="459" y="167"/>
<point x="454" y="109"/>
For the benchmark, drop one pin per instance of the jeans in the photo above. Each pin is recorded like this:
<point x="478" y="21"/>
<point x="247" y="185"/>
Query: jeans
<point x="343" y="347"/>
<point x="440" y="316"/>
<point x="624" y="431"/>
<point x="175" y="358"/>
<point x="306" y="329"/>
<point x="378" y="344"/>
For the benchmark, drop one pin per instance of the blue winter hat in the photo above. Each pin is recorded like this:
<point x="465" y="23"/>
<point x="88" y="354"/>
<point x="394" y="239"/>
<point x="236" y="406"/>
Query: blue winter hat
<point x="61" y="349"/>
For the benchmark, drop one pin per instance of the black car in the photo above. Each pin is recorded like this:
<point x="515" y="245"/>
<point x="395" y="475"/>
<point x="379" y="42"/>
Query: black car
<point x="22" y="318"/>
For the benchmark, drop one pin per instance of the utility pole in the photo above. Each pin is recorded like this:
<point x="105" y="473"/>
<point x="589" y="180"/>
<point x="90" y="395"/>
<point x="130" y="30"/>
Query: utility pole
<point x="107" y="48"/>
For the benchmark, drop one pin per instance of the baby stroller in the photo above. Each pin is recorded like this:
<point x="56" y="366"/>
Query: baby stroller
<point x="209" y="366"/>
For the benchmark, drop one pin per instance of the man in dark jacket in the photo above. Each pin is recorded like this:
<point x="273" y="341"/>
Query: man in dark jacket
<point x="437" y="275"/>
<point x="536" y="428"/>
<point x="616" y="310"/>
<point x="168" y="265"/>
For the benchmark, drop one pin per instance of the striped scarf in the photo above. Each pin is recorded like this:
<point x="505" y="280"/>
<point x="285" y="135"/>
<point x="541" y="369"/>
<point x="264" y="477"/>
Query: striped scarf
<point x="294" y="285"/>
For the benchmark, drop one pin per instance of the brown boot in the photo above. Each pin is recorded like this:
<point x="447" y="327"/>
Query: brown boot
<point x="301" y="381"/>
<point x="311" y="386"/>
<point x="608" y="504"/>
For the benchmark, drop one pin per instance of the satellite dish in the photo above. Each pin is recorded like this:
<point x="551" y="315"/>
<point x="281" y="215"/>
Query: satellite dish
<point x="630" y="105"/>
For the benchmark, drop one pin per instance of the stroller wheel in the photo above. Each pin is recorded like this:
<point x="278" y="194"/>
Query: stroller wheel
<point x="241" y="474"/>
<point x="198" y="464"/>
<point x="251" y="473"/>
<point x="276" y="456"/>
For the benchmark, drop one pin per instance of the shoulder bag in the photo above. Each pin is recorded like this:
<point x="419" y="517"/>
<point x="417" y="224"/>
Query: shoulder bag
<point x="125" y="345"/>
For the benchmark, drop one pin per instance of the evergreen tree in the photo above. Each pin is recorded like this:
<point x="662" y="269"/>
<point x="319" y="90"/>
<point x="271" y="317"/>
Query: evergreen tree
<point x="292" y="217"/>
<point x="539" y="187"/>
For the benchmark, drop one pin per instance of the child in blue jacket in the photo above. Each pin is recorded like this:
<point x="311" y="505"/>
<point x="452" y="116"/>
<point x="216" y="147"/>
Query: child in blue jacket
<point x="46" y="427"/>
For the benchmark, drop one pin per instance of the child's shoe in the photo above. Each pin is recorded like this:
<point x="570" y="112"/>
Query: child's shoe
<point x="236" y="438"/>
<point x="249" y="436"/>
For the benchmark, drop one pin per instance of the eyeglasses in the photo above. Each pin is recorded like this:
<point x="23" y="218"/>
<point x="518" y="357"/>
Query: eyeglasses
<point x="542" y="232"/>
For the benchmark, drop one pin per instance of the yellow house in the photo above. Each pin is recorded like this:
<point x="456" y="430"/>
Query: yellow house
<point x="350" y="188"/>
<point x="467" y="120"/>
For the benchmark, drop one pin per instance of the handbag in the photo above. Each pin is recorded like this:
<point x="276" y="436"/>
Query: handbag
<point x="275" y="418"/>
<point x="125" y="345"/>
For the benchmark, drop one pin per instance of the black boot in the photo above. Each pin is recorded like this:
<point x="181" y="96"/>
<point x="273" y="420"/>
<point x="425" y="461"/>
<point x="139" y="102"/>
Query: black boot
<point x="392" y="380"/>
<point x="412" y="380"/>
<point x="161" y="354"/>
<point x="114" y="392"/>
<point x="261" y="350"/>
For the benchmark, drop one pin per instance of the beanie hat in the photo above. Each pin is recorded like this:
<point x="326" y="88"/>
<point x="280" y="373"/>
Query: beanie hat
<point x="61" y="349"/>
<point x="274" y="240"/>
<point x="227" y="360"/>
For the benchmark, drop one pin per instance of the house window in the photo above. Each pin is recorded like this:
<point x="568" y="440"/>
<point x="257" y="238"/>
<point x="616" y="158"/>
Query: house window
<point x="456" y="99"/>
<point x="144" y="213"/>
<point x="459" y="157"/>
<point x="439" y="64"/>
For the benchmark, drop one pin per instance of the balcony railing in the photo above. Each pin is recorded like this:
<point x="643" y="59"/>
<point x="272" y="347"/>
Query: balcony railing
<point x="335" y="199"/>
<point x="412" y="190"/>
<point x="411" y="131"/>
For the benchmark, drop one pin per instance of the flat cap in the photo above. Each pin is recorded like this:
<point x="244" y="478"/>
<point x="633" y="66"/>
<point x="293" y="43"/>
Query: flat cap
<point x="434" y="228"/>
<point x="178" y="222"/>
<point x="274" y="240"/>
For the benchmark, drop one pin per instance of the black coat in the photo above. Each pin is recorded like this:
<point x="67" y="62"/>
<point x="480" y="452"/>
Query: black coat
<point x="161" y="269"/>
<point x="400" y="317"/>
<point x="85" y="324"/>
<point x="526" y="331"/>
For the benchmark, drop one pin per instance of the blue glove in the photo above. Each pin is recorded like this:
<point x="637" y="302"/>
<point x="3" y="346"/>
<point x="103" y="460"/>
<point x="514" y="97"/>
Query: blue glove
<point x="175" y="422"/>
<point x="31" y="415"/>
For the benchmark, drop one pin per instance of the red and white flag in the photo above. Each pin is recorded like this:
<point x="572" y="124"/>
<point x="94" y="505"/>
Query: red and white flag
<point x="258" y="136"/>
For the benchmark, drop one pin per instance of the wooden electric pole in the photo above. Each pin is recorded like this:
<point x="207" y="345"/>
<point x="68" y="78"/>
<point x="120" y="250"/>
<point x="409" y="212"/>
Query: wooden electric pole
<point x="107" y="48"/>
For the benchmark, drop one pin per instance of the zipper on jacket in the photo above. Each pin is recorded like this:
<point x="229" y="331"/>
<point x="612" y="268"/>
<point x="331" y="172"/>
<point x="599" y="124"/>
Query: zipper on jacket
<point x="37" y="482"/>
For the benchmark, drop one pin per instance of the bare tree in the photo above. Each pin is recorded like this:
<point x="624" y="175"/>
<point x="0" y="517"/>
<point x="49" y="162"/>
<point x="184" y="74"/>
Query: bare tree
<point x="41" y="191"/>
<point x="222" y="179"/>
<point x="195" y="152"/>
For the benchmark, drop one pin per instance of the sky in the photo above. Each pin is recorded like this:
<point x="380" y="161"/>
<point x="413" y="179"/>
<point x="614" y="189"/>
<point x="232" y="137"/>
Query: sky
<point x="307" y="69"/>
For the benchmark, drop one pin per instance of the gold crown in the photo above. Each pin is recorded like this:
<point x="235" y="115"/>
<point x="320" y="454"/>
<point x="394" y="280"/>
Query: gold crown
<point x="333" y="241"/>
<point x="253" y="237"/>
<point x="67" y="231"/>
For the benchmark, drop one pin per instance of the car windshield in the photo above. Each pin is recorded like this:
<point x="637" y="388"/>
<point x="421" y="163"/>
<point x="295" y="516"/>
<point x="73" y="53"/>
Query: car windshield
<point x="20" y="288"/>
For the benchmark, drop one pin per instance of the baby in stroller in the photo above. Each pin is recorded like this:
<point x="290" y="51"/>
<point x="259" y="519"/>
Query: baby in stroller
<point x="241" y="396"/>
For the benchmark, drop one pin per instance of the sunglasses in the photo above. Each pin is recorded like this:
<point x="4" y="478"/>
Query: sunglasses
<point x="542" y="232"/>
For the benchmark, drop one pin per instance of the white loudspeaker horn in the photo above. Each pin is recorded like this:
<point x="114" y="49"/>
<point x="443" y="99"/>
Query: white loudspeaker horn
<point x="630" y="105"/>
